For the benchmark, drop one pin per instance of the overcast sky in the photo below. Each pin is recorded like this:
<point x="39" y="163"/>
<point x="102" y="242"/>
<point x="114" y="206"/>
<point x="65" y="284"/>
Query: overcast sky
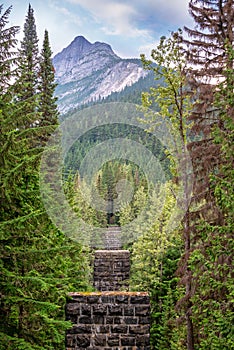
<point x="131" y="27"/>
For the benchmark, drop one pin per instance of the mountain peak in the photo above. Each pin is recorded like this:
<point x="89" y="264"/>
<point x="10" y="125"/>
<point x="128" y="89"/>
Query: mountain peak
<point x="99" y="45"/>
<point x="80" y="48"/>
<point x="77" y="47"/>
<point x="86" y="71"/>
<point x="80" y="39"/>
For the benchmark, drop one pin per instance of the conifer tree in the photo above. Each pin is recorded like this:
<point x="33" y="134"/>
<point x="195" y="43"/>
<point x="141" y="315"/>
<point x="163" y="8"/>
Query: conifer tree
<point x="208" y="50"/>
<point x="46" y="86"/>
<point x="29" y="53"/>
<point x="28" y="66"/>
<point x="7" y="44"/>
<point x="208" y="55"/>
<point x="212" y="260"/>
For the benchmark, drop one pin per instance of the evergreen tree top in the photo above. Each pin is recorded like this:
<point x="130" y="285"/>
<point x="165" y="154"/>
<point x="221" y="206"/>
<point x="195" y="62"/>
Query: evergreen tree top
<point x="30" y="40"/>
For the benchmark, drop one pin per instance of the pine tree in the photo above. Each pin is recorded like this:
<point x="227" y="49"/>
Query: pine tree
<point x="208" y="55"/>
<point x="224" y="102"/>
<point x="7" y="44"/>
<point x="212" y="260"/>
<point x="7" y="60"/>
<point x="46" y="86"/>
<point x="208" y="50"/>
<point x="28" y="66"/>
<point x="29" y="54"/>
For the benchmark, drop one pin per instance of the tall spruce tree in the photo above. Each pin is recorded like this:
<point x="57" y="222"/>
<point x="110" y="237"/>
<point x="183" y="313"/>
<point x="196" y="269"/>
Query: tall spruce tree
<point x="7" y="47"/>
<point x="7" y="59"/>
<point x="28" y="67"/>
<point x="208" y="51"/>
<point x="37" y="262"/>
<point x="212" y="260"/>
<point x="46" y="86"/>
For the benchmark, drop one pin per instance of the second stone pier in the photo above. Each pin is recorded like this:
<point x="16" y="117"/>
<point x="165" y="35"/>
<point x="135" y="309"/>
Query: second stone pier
<point x="111" y="270"/>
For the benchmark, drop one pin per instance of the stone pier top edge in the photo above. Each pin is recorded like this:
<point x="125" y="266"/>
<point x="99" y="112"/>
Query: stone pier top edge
<point x="111" y="251"/>
<point x="74" y="294"/>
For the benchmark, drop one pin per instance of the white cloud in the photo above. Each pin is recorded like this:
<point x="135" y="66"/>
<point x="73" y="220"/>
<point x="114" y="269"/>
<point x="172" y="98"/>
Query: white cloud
<point x="147" y="48"/>
<point x="127" y="17"/>
<point x="130" y="26"/>
<point x="116" y="16"/>
<point x="68" y="15"/>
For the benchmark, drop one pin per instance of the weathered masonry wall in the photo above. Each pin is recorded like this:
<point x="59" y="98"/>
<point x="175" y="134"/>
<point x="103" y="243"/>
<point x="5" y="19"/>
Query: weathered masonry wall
<point x="113" y="238"/>
<point x="111" y="270"/>
<point x="108" y="321"/>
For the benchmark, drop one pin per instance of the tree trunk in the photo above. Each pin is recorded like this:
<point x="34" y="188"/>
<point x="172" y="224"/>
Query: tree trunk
<point x="190" y="336"/>
<point x="189" y="323"/>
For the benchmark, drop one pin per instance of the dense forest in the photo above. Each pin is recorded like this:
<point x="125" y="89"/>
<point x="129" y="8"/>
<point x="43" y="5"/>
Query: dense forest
<point x="186" y="268"/>
<point x="39" y="264"/>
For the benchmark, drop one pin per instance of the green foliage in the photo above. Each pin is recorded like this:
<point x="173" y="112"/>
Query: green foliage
<point x="47" y="101"/>
<point x="7" y="45"/>
<point x="79" y="197"/>
<point x="224" y="136"/>
<point x="173" y="97"/>
<point x="153" y="265"/>
<point x="108" y="180"/>
<point x="154" y="242"/>
<point x="28" y="63"/>
<point x="97" y="135"/>
<point x="174" y="102"/>
<point x="212" y="267"/>
<point x="39" y="265"/>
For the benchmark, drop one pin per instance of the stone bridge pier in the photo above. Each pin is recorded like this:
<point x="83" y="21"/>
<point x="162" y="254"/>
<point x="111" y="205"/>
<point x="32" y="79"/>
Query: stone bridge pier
<point x="112" y="317"/>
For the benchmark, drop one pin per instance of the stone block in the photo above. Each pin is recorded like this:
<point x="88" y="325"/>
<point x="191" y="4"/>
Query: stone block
<point x="142" y="340"/>
<point x="119" y="329"/>
<point x="102" y="329"/>
<point x="115" y="309"/>
<point x="83" y="340"/>
<point x="144" y="320"/>
<point x="85" y="309"/>
<point x="122" y="299"/>
<point x="83" y="329"/>
<point x="139" y="329"/>
<point x="128" y="341"/>
<point x="98" y="319"/>
<point x="99" y="340"/>
<point x="99" y="309"/>
<point x="142" y="310"/>
<point x="70" y="340"/>
<point x="111" y="270"/>
<point x="128" y="310"/>
<point x="130" y="320"/>
<point x="73" y="309"/>
<point x="85" y="320"/>
<point x="113" y="340"/>
<point x="140" y="299"/>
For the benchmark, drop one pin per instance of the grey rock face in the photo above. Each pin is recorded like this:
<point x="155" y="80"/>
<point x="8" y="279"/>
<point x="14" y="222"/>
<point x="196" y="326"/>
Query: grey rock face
<point x="86" y="72"/>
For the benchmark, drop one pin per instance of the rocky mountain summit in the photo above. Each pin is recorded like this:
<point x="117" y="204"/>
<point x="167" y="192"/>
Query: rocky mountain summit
<point x="87" y="72"/>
